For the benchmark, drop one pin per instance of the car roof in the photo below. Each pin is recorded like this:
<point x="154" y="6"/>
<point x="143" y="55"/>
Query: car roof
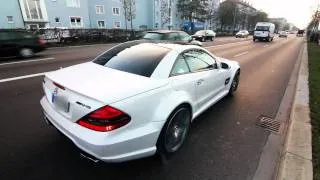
<point x="165" y="31"/>
<point x="164" y="44"/>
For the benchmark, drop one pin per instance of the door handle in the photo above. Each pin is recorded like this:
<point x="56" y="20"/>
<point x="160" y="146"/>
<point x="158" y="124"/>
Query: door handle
<point x="199" y="82"/>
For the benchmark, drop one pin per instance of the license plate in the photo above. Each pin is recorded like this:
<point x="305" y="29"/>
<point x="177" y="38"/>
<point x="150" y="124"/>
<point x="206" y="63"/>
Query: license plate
<point x="60" y="101"/>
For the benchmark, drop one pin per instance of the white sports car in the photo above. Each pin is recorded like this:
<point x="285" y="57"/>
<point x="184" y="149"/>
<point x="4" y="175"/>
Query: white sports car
<point x="136" y="99"/>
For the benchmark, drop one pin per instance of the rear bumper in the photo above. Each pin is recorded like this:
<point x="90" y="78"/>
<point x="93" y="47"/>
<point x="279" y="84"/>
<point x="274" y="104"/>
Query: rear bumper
<point x="116" y="146"/>
<point x="261" y="37"/>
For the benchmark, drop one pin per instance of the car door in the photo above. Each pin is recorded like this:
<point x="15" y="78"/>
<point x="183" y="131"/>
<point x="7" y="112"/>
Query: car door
<point x="208" y="82"/>
<point x="7" y="46"/>
<point x="181" y="79"/>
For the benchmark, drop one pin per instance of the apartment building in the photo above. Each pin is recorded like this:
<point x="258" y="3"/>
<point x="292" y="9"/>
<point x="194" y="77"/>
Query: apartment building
<point x="10" y="15"/>
<point x="33" y="14"/>
<point x="68" y="13"/>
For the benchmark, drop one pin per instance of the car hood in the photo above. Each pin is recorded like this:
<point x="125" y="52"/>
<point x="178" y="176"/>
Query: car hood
<point x="103" y="84"/>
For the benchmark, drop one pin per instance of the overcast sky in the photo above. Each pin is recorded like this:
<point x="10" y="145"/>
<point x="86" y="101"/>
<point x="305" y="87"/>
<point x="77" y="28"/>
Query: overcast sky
<point x="298" y="12"/>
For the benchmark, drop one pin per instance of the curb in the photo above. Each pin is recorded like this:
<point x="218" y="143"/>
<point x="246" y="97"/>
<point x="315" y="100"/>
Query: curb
<point x="296" y="158"/>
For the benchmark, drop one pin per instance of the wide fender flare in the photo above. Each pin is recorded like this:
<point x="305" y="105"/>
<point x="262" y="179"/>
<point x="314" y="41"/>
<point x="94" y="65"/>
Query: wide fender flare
<point x="170" y="103"/>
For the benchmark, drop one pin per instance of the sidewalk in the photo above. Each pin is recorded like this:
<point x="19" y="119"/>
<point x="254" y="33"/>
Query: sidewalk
<point x="296" y="158"/>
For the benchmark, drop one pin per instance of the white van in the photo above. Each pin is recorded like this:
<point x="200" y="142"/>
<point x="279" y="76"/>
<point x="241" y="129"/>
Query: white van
<point x="264" y="31"/>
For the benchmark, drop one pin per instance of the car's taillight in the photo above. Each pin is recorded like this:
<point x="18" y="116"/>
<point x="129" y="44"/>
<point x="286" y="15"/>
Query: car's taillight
<point x="41" y="41"/>
<point x="105" y="119"/>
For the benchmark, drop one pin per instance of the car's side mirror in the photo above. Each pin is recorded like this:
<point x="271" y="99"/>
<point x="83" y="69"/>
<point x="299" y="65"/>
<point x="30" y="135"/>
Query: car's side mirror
<point x="224" y="65"/>
<point x="213" y="66"/>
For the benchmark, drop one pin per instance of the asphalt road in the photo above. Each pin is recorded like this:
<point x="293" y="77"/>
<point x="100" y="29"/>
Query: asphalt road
<point x="224" y="142"/>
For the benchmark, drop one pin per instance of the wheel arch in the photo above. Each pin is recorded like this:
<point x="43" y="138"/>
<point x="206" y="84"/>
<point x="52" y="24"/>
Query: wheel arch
<point x="171" y="103"/>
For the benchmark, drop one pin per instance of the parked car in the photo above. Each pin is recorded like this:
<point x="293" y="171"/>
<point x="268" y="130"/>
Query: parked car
<point x="136" y="99"/>
<point x="242" y="34"/>
<point x="204" y="35"/>
<point x="23" y="44"/>
<point x="264" y="31"/>
<point x="180" y="37"/>
<point x="283" y="34"/>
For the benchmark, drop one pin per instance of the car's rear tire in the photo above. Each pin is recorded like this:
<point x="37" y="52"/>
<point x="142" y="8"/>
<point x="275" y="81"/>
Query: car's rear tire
<point x="211" y="39"/>
<point x="234" y="84"/>
<point x="175" y="131"/>
<point x="203" y="39"/>
<point x="26" y="52"/>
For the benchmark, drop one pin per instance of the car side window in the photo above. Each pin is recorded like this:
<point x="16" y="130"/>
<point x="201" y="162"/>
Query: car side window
<point x="184" y="36"/>
<point x="180" y="67"/>
<point x="5" y="36"/>
<point x="206" y="57"/>
<point x="173" y="36"/>
<point x="198" y="60"/>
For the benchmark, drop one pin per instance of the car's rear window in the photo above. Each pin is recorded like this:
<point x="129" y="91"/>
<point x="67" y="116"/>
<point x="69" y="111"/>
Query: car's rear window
<point x="141" y="59"/>
<point x="262" y="28"/>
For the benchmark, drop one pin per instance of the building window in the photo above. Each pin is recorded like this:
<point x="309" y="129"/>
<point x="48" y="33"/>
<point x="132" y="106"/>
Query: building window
<point x="101" y="24"/>
<point x="73" y="3"/>
<point x="57" y="19"/>
<point x="10" y="19"/>
<point x="117" y="24"/>
<point x="76" y="21"/>
<point x="99" y="9"/>
<point x="33" y="9"/>
<point x="116" y="11"/>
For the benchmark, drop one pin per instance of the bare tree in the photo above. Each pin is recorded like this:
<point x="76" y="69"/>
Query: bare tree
<point x="164" y="12"/>
<point x="192" y="10"/>
<point x="211" y="13"/>
<point x="129" y="11"/>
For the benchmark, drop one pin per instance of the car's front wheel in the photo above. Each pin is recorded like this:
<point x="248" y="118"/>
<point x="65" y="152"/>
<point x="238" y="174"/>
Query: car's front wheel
<point x="203" y="39"/>
<point x="175" y="131"/>
<point x="26" y="52"/>
<point x="234" y="83"/>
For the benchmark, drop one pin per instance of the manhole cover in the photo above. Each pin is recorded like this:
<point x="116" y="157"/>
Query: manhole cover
<point x="270" y="124"/>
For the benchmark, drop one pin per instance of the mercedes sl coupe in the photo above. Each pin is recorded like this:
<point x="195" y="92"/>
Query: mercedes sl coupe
<point x="136" y="99"/>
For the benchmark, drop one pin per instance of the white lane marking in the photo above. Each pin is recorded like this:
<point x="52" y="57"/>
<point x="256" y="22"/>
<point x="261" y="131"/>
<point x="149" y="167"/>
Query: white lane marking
<point x="22" y="77"/>
<point x="225" y="44"/>
<point x="27" y="61"/>
<point x="246" y="52"/>
<point x="266" y="45"/>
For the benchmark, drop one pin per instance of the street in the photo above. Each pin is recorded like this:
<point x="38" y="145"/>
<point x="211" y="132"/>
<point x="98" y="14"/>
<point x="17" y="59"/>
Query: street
<point x="224" y="142"/>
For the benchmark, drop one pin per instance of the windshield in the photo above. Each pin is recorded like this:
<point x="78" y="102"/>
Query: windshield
<point x="262" y="28"/>
<point x="125" y="58"/>
<point x="154" y="36"/>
